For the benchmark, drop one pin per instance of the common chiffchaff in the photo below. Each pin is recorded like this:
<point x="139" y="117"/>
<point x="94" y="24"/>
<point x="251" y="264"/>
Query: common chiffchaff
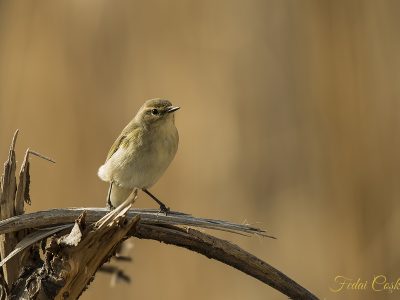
<point x="142" y="152"/>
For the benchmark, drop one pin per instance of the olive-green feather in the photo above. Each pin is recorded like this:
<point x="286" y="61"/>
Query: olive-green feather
<point x="115" y="146"/>
<point x="123" y="139"/>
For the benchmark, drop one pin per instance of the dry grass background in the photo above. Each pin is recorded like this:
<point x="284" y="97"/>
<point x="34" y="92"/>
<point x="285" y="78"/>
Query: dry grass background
<point x="289" y="120"/>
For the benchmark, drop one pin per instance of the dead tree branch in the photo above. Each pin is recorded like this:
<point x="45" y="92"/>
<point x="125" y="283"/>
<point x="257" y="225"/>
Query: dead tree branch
<point x="81" y="240"/>
<point x="171" y="229"/>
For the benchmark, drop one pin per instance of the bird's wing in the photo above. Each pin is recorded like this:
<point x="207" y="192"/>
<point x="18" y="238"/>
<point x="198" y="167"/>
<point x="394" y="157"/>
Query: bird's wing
<point x="115" y="146"/>
<point x="131" y="128"/>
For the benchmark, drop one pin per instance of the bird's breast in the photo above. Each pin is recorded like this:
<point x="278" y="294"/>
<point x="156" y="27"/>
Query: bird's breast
<point x="141" y="164"/>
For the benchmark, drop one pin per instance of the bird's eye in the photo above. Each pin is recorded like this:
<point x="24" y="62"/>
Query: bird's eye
<point x="154" y="112"/>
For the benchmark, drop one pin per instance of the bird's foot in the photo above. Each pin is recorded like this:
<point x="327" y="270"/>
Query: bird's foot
<point x="164" y="209"/>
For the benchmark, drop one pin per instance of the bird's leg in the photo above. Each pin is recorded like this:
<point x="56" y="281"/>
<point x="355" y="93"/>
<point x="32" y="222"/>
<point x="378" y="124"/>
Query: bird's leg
<point x="163" y="208"/>
<point x="109" y="205"/>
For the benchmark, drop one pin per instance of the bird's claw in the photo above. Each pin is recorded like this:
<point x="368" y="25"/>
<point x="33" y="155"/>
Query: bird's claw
<point x="164" y="209"/>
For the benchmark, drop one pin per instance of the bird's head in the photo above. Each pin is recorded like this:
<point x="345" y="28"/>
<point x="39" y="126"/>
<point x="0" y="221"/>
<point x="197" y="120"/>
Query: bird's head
<point x="155" y="112"/>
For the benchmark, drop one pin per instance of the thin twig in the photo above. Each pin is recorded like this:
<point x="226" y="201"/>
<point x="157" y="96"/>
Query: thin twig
<point x="14" y="140"/>
<point x="117" y="273"/>
<point x="41" y="156"/>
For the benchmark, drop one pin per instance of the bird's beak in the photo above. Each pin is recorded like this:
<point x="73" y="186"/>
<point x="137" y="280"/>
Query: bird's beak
<point x="172" y="109"/>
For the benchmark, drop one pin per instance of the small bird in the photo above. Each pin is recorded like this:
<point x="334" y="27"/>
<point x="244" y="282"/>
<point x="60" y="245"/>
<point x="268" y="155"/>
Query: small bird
<point x="142" y="152"/>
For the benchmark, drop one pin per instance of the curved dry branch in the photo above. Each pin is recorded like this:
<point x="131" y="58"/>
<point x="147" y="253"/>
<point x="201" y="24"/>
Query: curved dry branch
<point x="226" y="253"/>
<point x="166" y="229"/>
<point x="60" y="216"/>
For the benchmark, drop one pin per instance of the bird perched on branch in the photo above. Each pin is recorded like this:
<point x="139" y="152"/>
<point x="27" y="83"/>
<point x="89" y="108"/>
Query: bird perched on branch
<point x="142" y="152"/>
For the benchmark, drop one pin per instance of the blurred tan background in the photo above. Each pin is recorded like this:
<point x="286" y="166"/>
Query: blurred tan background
<point x="289" y="121"/>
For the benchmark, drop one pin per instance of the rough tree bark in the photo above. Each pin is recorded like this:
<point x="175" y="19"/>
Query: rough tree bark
<point x="72" y="260"/>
